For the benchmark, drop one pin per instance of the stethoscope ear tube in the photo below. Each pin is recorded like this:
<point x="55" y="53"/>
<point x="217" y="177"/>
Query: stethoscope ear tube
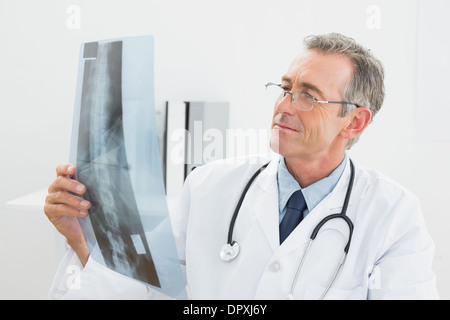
<point x="343" y="214"/>
<point x="238" y="206"/>
<point x="349" y="189"/>
<point x="335" y="216"/>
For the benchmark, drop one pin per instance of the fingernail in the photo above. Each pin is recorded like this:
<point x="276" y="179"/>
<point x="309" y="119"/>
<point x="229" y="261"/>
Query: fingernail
<point x="70" y="169"/>
<point x="84" y="203"/>
<point x="83" y="213"/>
<point x="79" y="188"/>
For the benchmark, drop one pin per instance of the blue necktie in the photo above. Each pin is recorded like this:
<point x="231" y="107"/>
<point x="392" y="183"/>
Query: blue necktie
<point x="294" y="214"/>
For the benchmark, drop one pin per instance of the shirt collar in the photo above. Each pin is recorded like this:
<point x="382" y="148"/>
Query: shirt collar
<point x="314" y="193"/>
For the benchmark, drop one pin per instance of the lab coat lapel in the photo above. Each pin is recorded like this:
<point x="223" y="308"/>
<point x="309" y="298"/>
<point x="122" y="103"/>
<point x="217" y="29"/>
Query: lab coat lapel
<point x="265" y="207"/>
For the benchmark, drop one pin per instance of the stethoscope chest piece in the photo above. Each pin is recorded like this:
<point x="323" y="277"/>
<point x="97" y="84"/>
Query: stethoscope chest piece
<point x="229" y="251"/>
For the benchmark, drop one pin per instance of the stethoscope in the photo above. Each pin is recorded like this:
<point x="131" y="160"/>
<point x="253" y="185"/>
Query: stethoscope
<point x="231" y="249"/>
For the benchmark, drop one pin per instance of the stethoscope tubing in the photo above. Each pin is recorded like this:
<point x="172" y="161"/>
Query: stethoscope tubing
<point x="239" y="204"/>
<point x="233" y="246"/>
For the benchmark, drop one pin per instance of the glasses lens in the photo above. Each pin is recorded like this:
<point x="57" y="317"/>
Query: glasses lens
<point x="303" y="101"/>
<point x="274" y="92"/>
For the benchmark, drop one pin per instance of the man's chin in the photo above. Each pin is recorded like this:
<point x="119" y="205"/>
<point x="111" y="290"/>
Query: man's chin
<point x="279" y="147"/>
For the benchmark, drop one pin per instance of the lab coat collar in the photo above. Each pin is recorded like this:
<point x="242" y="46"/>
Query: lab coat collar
<point x="266" y="178"/>
<point x="267" y="213"/>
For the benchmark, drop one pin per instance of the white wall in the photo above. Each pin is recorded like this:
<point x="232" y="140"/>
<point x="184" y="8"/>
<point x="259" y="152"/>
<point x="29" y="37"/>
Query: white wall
<point x="205" y="50"/>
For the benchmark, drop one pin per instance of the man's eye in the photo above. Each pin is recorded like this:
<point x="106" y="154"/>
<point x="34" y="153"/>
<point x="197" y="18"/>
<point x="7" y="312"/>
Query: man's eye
<point x="286" y="89"/>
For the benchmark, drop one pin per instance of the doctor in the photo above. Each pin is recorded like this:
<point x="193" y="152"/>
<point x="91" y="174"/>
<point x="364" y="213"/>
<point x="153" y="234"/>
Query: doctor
<point x="325" y="100"/>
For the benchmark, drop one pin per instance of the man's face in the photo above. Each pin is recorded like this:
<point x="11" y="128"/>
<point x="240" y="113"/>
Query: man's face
<point x="308" y="134"/>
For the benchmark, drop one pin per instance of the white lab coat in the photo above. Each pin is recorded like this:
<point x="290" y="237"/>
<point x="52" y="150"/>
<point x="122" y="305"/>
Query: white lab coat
<point x="390" y="255"/>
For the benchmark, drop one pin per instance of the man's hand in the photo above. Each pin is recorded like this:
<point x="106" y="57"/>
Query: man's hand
<point x="63" y="209"/>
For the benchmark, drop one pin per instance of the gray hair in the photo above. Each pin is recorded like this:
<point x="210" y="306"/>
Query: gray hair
<point x="366" y="87"/>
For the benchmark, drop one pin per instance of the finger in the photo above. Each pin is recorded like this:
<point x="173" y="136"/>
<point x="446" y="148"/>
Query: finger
<point x="63" y="197"/>
<point x="65" y="169"/>
<point x="63" y="183"/>
<point x="54" y="211"/>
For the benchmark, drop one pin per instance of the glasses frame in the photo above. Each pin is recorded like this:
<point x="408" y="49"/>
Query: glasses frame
<point x="307" y="94"/>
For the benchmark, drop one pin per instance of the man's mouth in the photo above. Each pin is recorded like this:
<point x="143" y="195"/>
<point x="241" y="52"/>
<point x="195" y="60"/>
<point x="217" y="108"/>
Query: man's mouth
<point x="283" y="127"/>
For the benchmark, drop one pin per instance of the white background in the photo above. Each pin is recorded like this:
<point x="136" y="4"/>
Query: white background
<point x="205" y="50"/>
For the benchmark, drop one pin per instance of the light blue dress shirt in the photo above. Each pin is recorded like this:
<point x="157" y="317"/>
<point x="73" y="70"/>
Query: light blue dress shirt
<point x="313" y="194"/>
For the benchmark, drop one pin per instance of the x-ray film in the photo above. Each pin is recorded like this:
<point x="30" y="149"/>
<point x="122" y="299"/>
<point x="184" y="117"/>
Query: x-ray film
<point x="115" y="148"/>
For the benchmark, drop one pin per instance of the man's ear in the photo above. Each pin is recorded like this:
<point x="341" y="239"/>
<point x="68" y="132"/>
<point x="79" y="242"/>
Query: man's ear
<point x="359" y="120"/>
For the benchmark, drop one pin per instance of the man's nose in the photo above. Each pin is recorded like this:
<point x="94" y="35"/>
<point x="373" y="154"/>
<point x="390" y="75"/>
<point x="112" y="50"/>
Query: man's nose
<point x="285" y="105"/>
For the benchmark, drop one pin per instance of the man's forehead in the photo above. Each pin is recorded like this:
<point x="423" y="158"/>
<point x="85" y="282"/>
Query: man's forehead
<point x="318" y="69"/>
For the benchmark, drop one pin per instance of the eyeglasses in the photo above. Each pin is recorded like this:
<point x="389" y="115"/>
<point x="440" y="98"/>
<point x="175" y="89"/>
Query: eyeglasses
<point x="300" y="100"/>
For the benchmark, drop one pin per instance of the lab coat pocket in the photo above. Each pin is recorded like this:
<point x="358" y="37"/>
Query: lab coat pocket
<point x="314" y="292"/>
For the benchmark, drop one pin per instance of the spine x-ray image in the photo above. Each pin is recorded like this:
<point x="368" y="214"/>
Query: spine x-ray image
<point x="115" y="148"/>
